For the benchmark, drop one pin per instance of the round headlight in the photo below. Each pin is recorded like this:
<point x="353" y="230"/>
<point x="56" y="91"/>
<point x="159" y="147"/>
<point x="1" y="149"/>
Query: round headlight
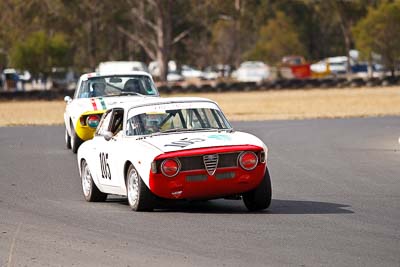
<point x="170" y="167"/>
<point x="93" y="121"/>
<point x="248" y="160"/>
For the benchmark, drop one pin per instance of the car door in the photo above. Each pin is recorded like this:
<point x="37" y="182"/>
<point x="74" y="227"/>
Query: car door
<point x="101" y="151"/>
<point x="107" y="154"/>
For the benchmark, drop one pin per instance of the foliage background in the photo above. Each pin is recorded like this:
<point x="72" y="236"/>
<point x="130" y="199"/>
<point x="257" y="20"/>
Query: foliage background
<point x="39" y="34"/>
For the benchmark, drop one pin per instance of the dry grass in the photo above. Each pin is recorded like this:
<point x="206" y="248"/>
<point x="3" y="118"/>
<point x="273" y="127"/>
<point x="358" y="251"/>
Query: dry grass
<point x="306" y="104"/>
<point x="31" y="112"/>
<point x="266" y="105"/>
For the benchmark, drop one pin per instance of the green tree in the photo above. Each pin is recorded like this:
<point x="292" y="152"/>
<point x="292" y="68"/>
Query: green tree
<point x="59" y="51"/>
<point x="379" y="32"/>
<point x="277" y="39"/>
<point x="38" y="53"/>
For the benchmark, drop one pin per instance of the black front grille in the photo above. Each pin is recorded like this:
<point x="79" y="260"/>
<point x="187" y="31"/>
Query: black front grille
<point x="192" y="163"/>
<point x="196" y="162"/>
<point x="228" y="160"/>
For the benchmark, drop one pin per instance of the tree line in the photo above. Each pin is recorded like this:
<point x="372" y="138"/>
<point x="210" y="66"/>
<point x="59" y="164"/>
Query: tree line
<point x="39" y="34"/>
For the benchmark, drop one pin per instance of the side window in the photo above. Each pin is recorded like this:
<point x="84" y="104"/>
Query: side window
<point x="104" y="124"/>
<point x="135" y="125"/>
<point x="149" y="86"/>
<point x="84" y="90"/>
<point x="78" y="89"/>
<point x="116" y="125"/>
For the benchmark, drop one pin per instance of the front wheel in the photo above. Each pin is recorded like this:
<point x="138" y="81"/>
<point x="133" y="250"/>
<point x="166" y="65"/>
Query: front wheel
<point x="67" y="139"/>
<point x="140" y="197"/>
<point x="75" y="140"/>
<point x="89" y="188"/>
<point x="260" y="197"/>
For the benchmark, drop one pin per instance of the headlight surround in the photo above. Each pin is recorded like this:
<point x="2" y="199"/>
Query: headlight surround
<point x="170" y="167"/>
<point x="248" y="160"/>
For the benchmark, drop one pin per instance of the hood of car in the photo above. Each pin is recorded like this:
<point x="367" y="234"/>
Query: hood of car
<point x="193" y="140"/>
<point x="102" y="103"/>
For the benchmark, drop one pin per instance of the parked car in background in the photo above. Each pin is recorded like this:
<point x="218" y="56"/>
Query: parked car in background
<point x="252" y="71"/>
<point x="189" y="72"/>
<point x="11" y="80"/>
<point x="63" y="78"/>
<point x="173" y="149"/>
<point x="217" y="71"/>
<point x="295" y="67"/>
<point x="330" y="66"/>
<point x="173" y="74"/>
<point x="224" y="69"/>
<point x="96" y="92"/>
<point x="121" y="66"/>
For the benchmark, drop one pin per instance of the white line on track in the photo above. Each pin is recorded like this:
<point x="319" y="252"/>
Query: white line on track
<point x="13" y="245"/>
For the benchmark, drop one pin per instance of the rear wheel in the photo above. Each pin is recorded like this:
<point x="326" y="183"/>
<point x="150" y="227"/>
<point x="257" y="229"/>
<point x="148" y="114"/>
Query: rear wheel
<point x="67" y="139"/>
<point x="140" y="197"/>
<point x="75" y="140"/>
<point x="260" y="197"/>
<point x="89" y="188"/>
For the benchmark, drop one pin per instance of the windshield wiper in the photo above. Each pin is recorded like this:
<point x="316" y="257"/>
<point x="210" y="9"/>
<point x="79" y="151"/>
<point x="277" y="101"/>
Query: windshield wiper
<point x="189" y="130"/>
<point x="177" y="130"/>
<point x="125" y="94"/>
<point x="229" y="130"/>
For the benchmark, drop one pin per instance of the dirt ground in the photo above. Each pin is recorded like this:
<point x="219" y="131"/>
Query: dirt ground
<point x="258" y="105"/>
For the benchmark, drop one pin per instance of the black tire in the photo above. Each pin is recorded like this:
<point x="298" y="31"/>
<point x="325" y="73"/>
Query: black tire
<point x="75" y="140"/>
<point x="67" y="139"/>
<point x="89" y="188"/>
<point x="260" y="197"/>
<point x="140" y="198"/>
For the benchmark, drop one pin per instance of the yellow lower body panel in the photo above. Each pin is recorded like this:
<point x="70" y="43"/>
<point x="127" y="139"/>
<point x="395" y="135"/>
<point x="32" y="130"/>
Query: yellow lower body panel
<point x="85" y="132"/>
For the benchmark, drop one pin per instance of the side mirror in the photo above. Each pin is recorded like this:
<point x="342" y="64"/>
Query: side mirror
<point x="108" y="135"/>
<point x="67" y="99"/>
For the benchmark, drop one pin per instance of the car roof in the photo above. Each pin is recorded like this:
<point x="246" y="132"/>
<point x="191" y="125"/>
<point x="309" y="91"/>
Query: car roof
<point x="150" y="101"/>
<point x="87" y="76"/>
<point x="338" y="59"/>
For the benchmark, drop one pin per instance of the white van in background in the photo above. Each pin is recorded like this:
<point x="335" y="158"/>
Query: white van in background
<point x="121" y="67"/>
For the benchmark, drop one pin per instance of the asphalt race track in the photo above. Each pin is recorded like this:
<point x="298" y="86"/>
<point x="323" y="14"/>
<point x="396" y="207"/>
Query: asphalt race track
<point x="336" y="202"/>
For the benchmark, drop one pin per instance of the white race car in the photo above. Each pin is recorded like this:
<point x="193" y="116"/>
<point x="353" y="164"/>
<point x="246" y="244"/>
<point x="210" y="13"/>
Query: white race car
<point x="94" y="94"/>
<point x="173" y="148"/>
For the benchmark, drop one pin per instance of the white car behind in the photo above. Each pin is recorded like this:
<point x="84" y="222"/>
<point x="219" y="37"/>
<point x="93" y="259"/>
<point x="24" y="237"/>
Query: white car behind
<point x="252" y="71"/>
<point x="97" y="92"/>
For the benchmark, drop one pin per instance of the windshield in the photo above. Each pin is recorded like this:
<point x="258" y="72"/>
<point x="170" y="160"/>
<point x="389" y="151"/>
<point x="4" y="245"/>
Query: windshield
<point x="117" y="85"/>
<point x="176" y="120"/>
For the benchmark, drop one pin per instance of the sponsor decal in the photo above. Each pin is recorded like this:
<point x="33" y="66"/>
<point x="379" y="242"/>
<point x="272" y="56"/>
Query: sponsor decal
<point x="103" y="104"/>
<point x="220" y="137"/>
<point x="184" y="142"/>
<point x="105" y="167"/>
<point x="93" y="103"/>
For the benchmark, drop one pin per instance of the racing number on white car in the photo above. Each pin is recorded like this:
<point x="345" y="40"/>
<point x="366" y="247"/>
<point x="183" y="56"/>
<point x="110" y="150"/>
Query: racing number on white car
<point x="105" y="168"/>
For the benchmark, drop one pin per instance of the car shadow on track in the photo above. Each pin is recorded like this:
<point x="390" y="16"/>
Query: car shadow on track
<point x="278" y="206"/>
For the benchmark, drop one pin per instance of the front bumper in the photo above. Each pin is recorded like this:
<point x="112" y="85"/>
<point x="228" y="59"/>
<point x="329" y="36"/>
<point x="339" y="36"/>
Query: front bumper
<point x="199" y="184"/>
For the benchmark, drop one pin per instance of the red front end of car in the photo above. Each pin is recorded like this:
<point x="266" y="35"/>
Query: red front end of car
<point x="207" y="173"/>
